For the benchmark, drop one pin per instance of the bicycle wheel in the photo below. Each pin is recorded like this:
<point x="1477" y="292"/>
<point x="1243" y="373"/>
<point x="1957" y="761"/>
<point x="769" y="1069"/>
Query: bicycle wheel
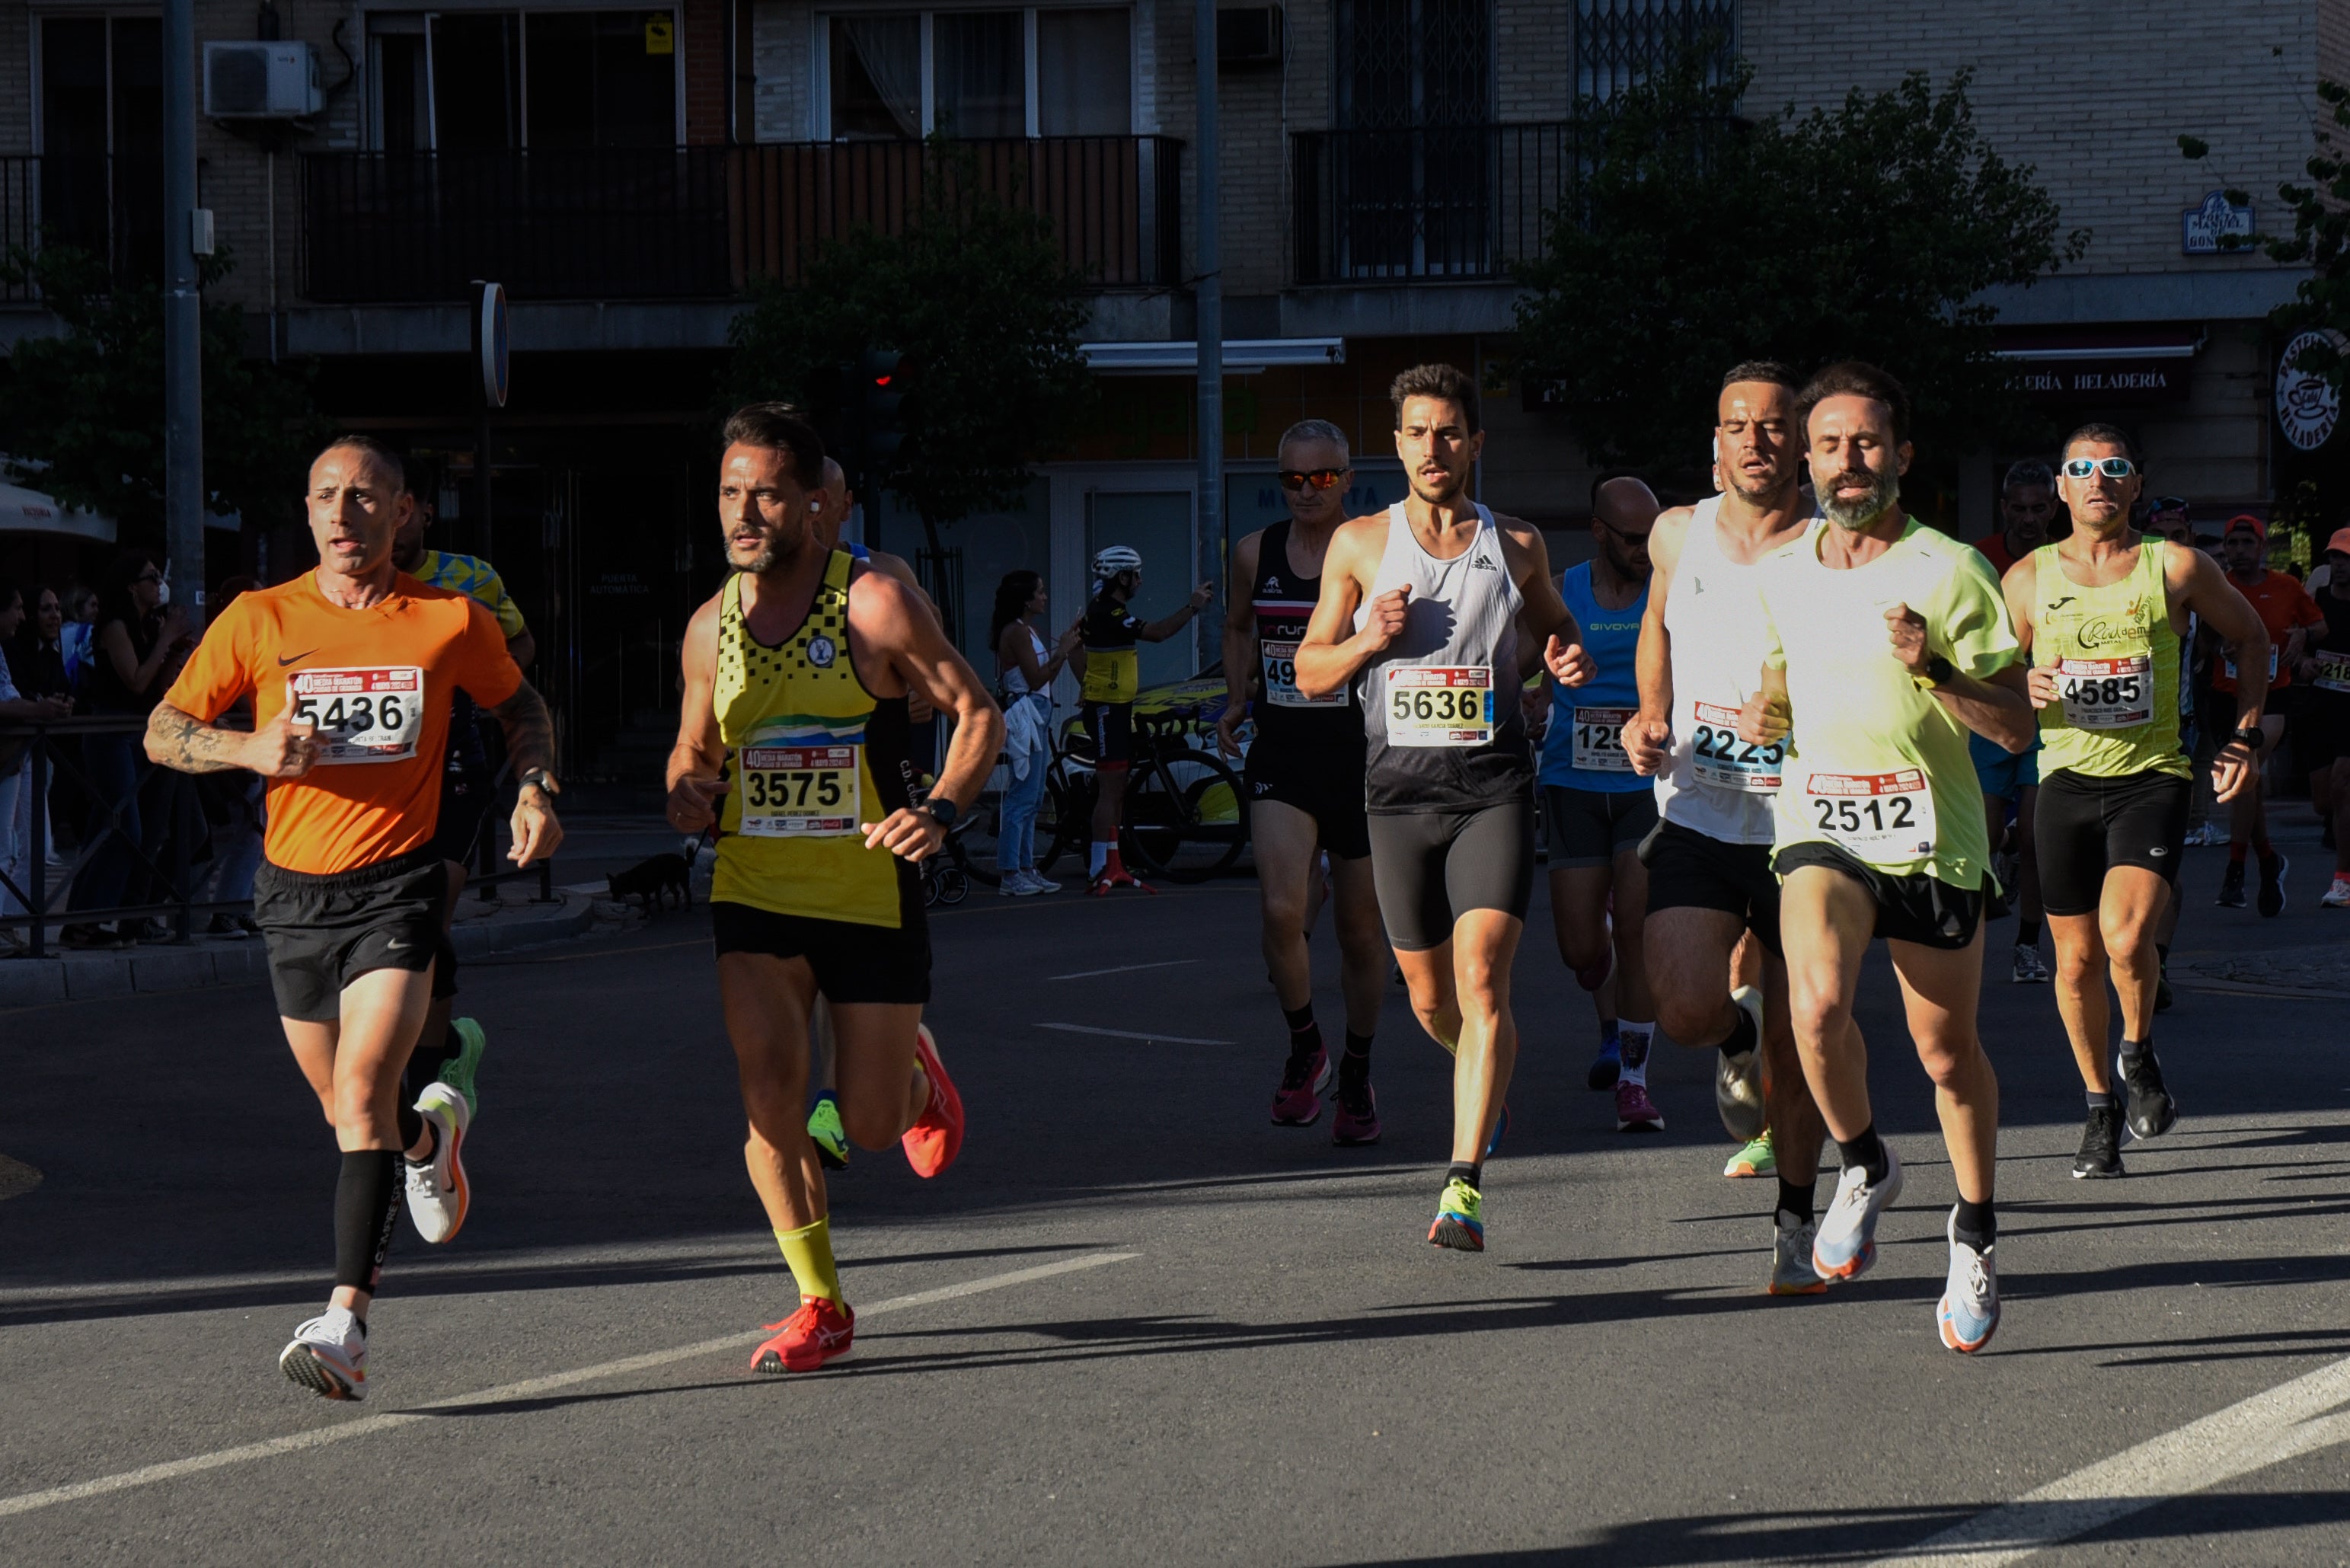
<point x="980" y="868"/>
<point x="1184" y="817"/>
<point x="1063" y="818"/>
<point x="953" y="885"/>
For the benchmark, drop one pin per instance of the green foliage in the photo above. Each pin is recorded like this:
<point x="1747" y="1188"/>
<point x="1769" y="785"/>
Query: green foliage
<point x="1861" y="230"/>
<point x="975" y="293"/>
<point x="89" y="405"/>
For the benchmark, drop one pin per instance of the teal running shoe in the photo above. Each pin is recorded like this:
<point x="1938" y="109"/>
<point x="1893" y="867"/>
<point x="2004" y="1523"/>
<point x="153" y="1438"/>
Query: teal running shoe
<point x="1460" y="1221"/>
<point x="458" y="1071"/>
<point x="825" y="1130"/>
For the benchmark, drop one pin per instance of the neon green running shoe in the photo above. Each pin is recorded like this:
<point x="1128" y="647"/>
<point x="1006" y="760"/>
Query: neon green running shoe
<point x="1460" y="1219"/>
<point x="458" y="1071"/>
<point x="825" y="1130"/>
<point x="1757" y="1158"/>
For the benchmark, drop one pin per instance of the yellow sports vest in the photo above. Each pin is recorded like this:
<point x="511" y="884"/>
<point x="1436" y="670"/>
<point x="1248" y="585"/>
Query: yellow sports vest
<point x="814" y="756"/>
<point x="2116" y="663"/>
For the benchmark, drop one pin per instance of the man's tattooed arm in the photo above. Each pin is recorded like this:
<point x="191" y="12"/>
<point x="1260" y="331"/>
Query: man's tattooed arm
<point x="530" y="730"/>
<point x="185" y="743"/>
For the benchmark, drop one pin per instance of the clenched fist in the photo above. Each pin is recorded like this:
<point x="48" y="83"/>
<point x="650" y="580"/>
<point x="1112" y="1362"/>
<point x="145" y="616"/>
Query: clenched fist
<point x="284" y="748"/>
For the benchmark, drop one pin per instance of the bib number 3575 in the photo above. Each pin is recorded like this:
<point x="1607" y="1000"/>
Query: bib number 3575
<point x="1436" y="705"/>
<point x="798" y="792"/>
<point x="1887" y="817"/>
<point x="363" y="715"/>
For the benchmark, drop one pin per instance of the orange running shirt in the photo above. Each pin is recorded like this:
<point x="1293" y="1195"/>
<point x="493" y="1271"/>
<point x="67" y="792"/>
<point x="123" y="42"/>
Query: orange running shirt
<point x="2283" y="604"/>
<point x="376" y="682"/>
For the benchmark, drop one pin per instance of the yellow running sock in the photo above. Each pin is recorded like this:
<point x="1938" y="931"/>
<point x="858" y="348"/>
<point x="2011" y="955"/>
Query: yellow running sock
<point x="809" y="1250"/>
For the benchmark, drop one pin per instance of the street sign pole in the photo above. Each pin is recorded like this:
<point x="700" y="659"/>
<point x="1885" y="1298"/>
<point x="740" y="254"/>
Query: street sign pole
<point x="491" y="382"/>
<point x="1209" y="298"/>
<point x="184" y="406"/>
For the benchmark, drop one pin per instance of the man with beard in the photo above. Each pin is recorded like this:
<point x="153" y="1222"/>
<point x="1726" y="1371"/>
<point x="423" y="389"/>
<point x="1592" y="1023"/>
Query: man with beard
<point x="1709" y="880"/>
<point x="1596" y="809"/>
<point x="1880" y="833"/>
<point x="2101" y="614"/>
<point x="1305" y="787"/>
<point x="798" y="671"/>
<point x="1444" y="611"/>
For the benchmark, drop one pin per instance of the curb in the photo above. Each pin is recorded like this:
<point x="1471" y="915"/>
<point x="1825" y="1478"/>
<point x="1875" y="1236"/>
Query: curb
<point x="28" y="982"/>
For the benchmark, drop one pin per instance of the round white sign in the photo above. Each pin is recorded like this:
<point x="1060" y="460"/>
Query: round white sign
<point x="2308" y="406"/>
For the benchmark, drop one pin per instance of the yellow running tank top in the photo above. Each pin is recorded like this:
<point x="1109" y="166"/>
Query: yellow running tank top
<point x="2116" y="663"/>
<point x="813" y="757"/>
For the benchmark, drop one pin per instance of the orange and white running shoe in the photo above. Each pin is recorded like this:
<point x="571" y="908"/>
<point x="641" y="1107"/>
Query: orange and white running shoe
<point x="439" y="1195"/>
<point x="821" y="1331"/>
<point x="328" y="1355"/>
<point x="936" y="1136"/>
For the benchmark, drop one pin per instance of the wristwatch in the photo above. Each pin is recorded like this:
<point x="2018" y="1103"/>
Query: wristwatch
<point x="539" y="776"/>
<point x="943" y="809"/>
<point x="2251" y="739"/>
<point x="1938" y="670"/>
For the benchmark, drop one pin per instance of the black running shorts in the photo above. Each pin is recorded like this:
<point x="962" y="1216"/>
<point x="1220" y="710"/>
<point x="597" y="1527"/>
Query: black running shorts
<point x="1692" y="871"/>
<point x="324" y="931"/>
<point x="853" y="963"/>
<point x="1111" y="727"/>
<point x="1431" y="867"/>
<point x="1915" y="908"/>
<point x="1326" y="786"/>
<point x="1583" y="827"/>
<point x="2085" y="826"/>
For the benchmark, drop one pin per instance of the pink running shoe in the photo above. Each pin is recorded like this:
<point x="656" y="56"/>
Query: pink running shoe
<point x="1635" y="1112"/>
<point x="1298" y="1102"/>
<point x="936" y="1136"/>
<point x="1354" y="1121"/>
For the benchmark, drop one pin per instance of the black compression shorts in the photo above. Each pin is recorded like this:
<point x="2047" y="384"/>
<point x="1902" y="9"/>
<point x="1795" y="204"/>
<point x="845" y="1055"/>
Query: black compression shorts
<point x="326" y="931"/>
<point x="1918" y="908"/>
<point x="2085" y="826"/>
<point x="1111" y="727"/>
<point x="1583" y="827"/>
<point x="1431" y="867"/>
<point x="1320" y="784"/>
<point x="1691" y="870"/>
<point x="853" y="964"/>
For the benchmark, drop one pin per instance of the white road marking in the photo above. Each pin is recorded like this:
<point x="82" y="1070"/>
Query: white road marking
<point x="1133" y="1034"/>
<point x="2284" y="1423"/>
<point x="528" y="1388"/>
<point x="1122" y="968"/>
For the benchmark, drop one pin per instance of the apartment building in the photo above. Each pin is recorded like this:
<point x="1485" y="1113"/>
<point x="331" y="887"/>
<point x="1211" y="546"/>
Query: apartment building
<point x="1386" y="162"/>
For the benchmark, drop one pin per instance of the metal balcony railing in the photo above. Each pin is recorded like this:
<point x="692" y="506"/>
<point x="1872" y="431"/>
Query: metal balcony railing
<point x="701" y="222"/>
<point x="110" y="207"/>
<point x="1432" y="202"/>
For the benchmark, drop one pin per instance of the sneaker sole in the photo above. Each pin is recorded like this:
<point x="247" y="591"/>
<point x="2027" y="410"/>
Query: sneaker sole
<point x="1818" y="1287"/>
<point x="1357" y="1140"/>
<point x="2169" y="1120"/>
<point x="1456" y="1234"/>
<point x="771" y="1365"/>
<point x="2080" y="1174"/>
<point x="1950" y="1339"/>
<point x="303" y="1367"/>
<point x="1853" y="1268"/>
<point x="1739" y="1170"/>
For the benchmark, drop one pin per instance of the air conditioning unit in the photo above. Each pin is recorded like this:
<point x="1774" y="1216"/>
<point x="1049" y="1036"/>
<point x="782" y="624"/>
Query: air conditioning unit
<point x="260" y="80"/>
<point x="1248" y="36"/>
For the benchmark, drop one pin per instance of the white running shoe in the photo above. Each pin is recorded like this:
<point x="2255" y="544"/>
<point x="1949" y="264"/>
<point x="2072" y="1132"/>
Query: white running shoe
<point x="438" y="1193"/>
<point x="1738" y="1081"/>
<point x="1846" y="1243"/>
<point x="1968" y="1314"/>
<point x="1792" y="1273"/>
<point x="2337" y="896"/>
<point x="328" y="1355"/>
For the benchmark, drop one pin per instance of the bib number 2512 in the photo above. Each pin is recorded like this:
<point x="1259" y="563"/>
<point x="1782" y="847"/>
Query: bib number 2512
<point x="1878" y="817"/>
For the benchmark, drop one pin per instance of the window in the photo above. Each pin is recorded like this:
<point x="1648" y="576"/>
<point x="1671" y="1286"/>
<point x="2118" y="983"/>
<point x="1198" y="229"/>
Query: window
<point x="1043" y="71"/>
<point x="102" y="139"/>
<point x="494" y="81"/>
<point x="1620" y="42"/>
<point x="1413" y="63"/>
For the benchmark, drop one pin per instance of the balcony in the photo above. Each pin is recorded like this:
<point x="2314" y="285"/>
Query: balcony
<point x="110" y="207"/>
<point x="1460" y="203"/>
<point x="700" y="223"/>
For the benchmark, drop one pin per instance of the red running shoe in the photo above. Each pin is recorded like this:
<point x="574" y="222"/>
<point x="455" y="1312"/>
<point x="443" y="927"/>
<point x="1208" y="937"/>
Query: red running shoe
<point x="1297" y="1102"/>
<point x="936" y="1136"/>
<point x="821" y="1331"/>
<point x="1355" y="1119"/>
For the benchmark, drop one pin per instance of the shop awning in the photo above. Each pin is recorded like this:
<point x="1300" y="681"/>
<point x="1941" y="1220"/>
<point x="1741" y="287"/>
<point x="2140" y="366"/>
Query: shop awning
<point x="1243" y="356"/>
<point x="24" y="511"/>
<point x="2059" y="344"/>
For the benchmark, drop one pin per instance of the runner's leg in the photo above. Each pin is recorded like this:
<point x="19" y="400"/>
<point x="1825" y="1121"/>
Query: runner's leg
<point x="1689" y="950"/>
<point x="766" y="1001"/>
<point x="1286" y="842"/>
<point x="1484" y="943"/>
<point x="1940" y="990"/>
<point x="2029" y="910"/>
<point x="883" y="1089"/>
<point x="2081" y="969"/>
<point x="1362" y="942"/>
<point x="1826" y="921"/>
<point x="1797" y="1131"/>
<point x="2134" y="903"/>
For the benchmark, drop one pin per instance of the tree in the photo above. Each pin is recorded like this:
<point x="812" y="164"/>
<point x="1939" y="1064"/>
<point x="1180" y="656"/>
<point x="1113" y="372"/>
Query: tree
<point x="83" y="413"/>
<point x="1864" y="230"/>
<point x="977" y="296"/>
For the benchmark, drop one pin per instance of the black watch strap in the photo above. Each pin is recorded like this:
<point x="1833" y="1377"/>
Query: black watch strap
<point x="940" y="807"/>
<point x="1939" y="669"/>
<point x="2250" y="738"/>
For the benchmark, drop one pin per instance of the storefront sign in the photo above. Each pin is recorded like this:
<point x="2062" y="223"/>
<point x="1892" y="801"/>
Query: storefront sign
<point x="2203" y="227"/>
<point x="2308" y="406"/>
<point x="2106" y="380"/>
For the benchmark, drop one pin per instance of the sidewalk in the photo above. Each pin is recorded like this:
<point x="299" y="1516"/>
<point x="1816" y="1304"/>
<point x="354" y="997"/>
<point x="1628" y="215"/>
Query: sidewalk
<point x="482" y="928"/>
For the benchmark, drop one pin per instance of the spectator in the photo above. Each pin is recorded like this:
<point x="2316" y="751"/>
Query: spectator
<point x="37" y="659"/>
<point x="2287" y="611"/>
<point x="74" y="636"/>
<point x="135" y="651"/>
<point x="234" y="804"/>
<point x="2323" y="738"/>
<point x="16" y="772"/>
<point x="1025" y="679"/>
<point x="2027" y="512"/>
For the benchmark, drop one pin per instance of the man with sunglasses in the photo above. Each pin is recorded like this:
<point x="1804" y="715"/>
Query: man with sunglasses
<point x="2287" y="613"/>
<point x="1709" y="882"/>
<point x="1304" y="779"/>
<point x="1112" y="675"/>
<point x="2100" y="616"/>
<point x="1597" y="810"/>
<point x="1442" y="610"/>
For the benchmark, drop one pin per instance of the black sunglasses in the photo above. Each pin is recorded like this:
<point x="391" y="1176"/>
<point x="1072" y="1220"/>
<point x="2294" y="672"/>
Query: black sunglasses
<point x="1319" y="479"/>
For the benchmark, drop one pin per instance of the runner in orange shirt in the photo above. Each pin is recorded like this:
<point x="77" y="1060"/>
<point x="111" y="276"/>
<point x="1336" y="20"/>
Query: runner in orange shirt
<point x="351" y="667"/>
<point x="2287" y="612"/>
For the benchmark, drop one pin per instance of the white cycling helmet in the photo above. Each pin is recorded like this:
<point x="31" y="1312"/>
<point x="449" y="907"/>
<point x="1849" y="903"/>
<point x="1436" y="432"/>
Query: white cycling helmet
<point x="1109" y="562"/>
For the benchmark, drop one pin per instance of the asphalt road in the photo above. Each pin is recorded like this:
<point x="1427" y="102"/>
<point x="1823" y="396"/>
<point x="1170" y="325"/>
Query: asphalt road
<point x="1138" y="1325"/>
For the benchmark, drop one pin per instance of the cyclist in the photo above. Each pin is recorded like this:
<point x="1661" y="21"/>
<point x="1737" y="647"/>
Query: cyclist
<point x="1304" y="784"/>
<point x="1112" y="674"/>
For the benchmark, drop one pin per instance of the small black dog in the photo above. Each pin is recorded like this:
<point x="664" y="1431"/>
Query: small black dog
<point x="649" y="881"/>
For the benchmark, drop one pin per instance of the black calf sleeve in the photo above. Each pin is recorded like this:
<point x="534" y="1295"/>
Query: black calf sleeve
<point x="367" y="1198"/>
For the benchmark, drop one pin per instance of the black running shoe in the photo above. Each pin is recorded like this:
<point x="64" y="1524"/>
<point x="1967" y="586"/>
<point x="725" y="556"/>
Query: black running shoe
<point x="2101" y="1146"/>
<point x="2272" y="870"/>
<point x="2152" y="1111"/>
<point x="2231" y="886"/>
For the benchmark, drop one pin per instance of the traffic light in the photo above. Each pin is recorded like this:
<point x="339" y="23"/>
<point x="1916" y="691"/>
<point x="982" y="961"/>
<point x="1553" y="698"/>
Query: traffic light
<point x="882" y="378"/>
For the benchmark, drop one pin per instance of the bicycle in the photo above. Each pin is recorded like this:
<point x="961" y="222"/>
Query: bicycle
<point x="1184" y="819"/>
